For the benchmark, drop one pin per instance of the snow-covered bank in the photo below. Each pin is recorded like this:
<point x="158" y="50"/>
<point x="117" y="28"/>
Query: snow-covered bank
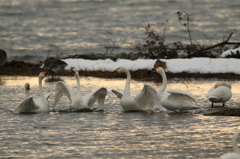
<point x="194" y="65"/>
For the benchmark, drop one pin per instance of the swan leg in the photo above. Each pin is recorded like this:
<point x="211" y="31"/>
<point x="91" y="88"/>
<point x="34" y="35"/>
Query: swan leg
<point x="212" y="105"/>
<point x="223" y="104"/>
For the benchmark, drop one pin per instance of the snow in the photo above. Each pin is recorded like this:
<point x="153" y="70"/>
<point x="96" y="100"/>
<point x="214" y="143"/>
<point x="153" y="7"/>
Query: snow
<point x="194" y="65"/>
<point x="229" y="52"/>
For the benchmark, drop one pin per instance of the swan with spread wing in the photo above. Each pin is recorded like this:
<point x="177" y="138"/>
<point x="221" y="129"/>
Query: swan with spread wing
<point x="174" y="99"/>
<point x="143" y="101"/>
<point x="30" y="105"/>
<point x="78" y="101"/>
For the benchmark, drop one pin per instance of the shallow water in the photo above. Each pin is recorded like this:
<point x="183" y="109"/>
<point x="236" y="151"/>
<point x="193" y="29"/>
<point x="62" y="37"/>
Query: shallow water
<point x="113" y="134"/>
<point x="83" y="26"/>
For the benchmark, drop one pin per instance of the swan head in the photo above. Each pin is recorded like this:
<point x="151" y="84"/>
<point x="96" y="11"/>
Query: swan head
<point x="226" y="84"/>
<point x="120" y="70"/>
<point x="42" y="75"/>
<point x="27" y="86"/>
<point x="159" y="70"/>
<point x="74" y="71"/>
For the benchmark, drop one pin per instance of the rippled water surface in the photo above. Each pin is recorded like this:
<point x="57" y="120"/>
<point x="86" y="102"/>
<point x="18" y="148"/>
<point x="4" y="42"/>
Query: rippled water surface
<point x="113" y="133"/>
<point x="83" y="26"/>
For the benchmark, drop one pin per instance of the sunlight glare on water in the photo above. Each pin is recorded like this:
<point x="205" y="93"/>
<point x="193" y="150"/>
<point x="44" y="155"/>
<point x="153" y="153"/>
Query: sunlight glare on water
<point x="113" y="134"/>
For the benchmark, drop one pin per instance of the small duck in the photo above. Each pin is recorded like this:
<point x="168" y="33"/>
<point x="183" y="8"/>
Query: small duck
<point x="53" y="66"/>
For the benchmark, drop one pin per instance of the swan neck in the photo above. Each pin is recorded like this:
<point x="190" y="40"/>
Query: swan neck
<point x="127" y="85"/>
<point x="26" y="93"/>
<point x="164" y="82"/>
<point x="235" y="146"/>
<point x="40" y="89"/>
<point x="78" y="82"/>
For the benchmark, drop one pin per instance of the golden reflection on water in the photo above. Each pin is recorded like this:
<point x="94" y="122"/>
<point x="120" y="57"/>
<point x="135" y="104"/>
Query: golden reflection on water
<point x="114" y="134"/>
<point x="195" y="87"/>
<point x="18" y="80"/>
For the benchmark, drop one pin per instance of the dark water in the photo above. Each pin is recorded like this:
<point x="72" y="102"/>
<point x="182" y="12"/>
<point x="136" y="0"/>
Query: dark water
<point x="113" y="134"/>
<point x="85" y="26"/>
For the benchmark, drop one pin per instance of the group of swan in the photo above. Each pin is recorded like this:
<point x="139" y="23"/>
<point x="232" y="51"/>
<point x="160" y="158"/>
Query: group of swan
<point x="173" y="99"/>
<point x="78" y="102"/>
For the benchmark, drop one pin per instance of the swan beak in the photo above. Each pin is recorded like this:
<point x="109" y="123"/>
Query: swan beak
<point x="215" y="86"/>
<point x="73" y="71"/>
<point x="115" y="71"/>
<point x="45" y="73"/>
<point x="154" y="69"/>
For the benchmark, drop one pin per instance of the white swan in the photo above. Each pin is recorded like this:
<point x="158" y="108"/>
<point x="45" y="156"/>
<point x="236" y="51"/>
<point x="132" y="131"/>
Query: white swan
<point x="78" y="102"/>
<point x="30" y="105"/>
<point x="27" y="88"/>
<point x="175" y="99"/>
<point x="143" y="101"/>
<point x="236" y="153"/>
<point x="220" y="93"/>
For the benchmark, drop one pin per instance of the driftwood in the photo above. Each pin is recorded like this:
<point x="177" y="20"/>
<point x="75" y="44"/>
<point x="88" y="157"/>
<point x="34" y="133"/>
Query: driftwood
<point x="226" y="42"/>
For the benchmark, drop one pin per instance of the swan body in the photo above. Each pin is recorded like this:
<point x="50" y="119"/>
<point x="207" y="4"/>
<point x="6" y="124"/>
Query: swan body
<point x="174" y="99"/>
<point x="220" y="93"/>
<point x="143" y="101"/>
<point x="30" y="105"/>
<point x="236" y="153"/>
<point x="79" y="102"/>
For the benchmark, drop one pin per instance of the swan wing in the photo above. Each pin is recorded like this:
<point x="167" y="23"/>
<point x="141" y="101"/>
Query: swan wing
<point x="47" y="96"/>
<point x="26" y="106"/>
<point x="99" y="95"/>
<point x="119" y="94"/>
<point x="184" y="95"/>
<point x="62" y="88"/>
<point x="230" y="156"/>
<point x="147" y="97"/>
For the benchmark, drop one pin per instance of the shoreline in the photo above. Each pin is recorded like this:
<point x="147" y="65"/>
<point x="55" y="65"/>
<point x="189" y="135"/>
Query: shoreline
<point x="20" y="68"/>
